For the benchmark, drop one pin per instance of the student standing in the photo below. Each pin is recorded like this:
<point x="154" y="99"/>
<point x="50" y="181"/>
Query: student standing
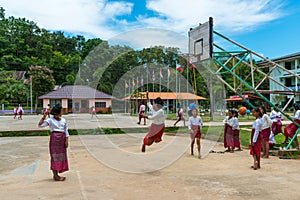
<point x="228" y="136"/>
<point x="256" y="143"/>
<point x="157" y="127"/>
<point x="266" y="131"/>
<point x="276" y="117"/>
<point x="236" y="131"/>
<point x="15" y="112"/>
<point x="58" y="141"/>
<point x="195" y="124"/>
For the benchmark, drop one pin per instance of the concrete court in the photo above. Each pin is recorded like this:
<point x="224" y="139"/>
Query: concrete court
<point x="99" y="169"/>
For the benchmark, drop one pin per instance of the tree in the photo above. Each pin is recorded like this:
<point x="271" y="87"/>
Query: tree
<point x="17" y="93"/>
<point x="42" y="81"/>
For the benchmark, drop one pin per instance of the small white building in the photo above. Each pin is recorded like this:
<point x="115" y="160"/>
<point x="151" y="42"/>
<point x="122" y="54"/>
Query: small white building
<point x="78" y="99"/>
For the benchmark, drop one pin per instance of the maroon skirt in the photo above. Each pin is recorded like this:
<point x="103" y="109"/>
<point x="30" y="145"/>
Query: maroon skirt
<point x="256" y="149"/>
<point x="291" y="129"/>
<point x="197" y="132"/>
<point x="155" y="133"/>
<point x="229" y="136"/>
<point x="265" y="134"/>
<point x="58" y="152"/>
<point x="277" y="127"/>
<point x="236" y="138"/>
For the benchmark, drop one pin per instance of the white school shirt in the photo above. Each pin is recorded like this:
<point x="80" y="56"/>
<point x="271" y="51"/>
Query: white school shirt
<point x="234" y="123"/>
<point x="196" y="121"/>
<point x="257" y="125"/>
<point x="158" y="117"/>
<point x="20" y="109"/>
<point x="276" y="115"/>
<point x="297" y="115"/>
<point x="267" y="122"/>
<point x="54" y="125"/>
<point x="227" y="120"/>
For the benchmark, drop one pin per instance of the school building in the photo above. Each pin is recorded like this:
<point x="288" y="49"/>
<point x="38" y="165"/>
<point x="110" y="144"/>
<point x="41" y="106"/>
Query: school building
<point x="290" y="62"/>
<point x="78" y="99"/>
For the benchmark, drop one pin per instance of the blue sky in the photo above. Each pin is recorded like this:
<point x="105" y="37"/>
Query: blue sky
<point x="269" y="27"/>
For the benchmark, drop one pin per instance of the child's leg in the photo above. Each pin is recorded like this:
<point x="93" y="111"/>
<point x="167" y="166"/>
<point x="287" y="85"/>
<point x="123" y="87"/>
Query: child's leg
<point x="176" y="121"/>
<point x="199" y="147"/>
<point x="147" y="141"/>
<point x="258" y="162"/>
<point x="144" y="120"/>
<point x="264" y="148"/>
<point x="255" y="164"/>
<point x="267" y="150"/>
<point x="192" y="146"/>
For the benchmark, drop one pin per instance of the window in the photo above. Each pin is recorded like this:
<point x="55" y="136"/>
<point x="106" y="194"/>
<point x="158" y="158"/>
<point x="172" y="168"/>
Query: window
<point x="53" y="102"/>
<point x="84" y="104"/>
<point x="288" y="65"/>
<point x="100" y="104"/>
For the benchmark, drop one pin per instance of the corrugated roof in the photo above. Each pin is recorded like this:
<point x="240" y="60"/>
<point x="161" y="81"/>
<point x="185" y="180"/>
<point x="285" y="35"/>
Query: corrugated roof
<point x="76" y="92"/>
<point x="170" y="95"/>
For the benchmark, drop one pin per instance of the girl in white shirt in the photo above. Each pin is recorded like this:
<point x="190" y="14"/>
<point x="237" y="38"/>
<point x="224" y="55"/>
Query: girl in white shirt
<point x="255" y="143"/>
<point x="195" y="124"/>
<point x="228" y="135"/>
<point x="266" y="131"/>
<point x="276" y="117"/>
<point x="156" y="129"/>
<point x="236" y="130"/>
<point x="291" y="129"/>
<point x="58" y="141"/>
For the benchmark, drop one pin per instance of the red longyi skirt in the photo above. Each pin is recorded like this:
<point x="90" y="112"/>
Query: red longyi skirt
<point x="58" y="152"/>
<point x="155" y="133"/>
<point x="256" y="149"/>
<point x="265" y="134"/>
<point x="197" y="132"/>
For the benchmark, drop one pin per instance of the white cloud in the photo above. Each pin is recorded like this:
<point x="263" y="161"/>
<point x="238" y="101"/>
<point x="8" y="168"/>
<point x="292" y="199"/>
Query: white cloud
<point x="106" y="19"/>
<point x="90" y="17"/>
<point x="229" y="15"/>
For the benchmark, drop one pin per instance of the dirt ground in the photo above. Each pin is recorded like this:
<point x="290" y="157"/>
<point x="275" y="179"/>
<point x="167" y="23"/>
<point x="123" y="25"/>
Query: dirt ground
<point x="112" y="167"/>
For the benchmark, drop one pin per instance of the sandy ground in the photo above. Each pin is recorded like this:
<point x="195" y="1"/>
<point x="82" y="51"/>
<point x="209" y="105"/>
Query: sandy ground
<point x="112" y="167"/>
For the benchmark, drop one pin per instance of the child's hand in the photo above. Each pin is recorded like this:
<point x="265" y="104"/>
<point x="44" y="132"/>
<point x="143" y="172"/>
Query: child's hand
<point x="66" y="144"/>
<point x="253" y="144"/>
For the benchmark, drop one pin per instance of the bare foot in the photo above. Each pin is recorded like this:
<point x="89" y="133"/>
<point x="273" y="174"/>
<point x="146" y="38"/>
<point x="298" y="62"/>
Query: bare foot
<point x="143" y="148"/>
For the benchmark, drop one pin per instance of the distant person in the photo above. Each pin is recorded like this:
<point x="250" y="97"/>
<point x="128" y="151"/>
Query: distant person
<point x="47" y="110"/>
<point x="276" y="117"/>
<point x="94" y="112"/>
<point x="15" y="112"/>
<point x="265" y="131"/>
<point x="58" y="141"/>
<point x="291" y="129"/>
<point x="236" y="131"/>
<point x="195" y="124"/>
<point x="156" y="129"/>
<point x="191" y="107"/>
<point x="142" y="109"/>
<point x="20" y="112"/>
<point x="180" y="116"/>
<point x="256" y="140"/>
<point x="228" y="134"/>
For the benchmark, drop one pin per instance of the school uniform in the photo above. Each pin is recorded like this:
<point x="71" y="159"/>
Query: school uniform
<point x="157" y="127"/>
<point x="195" y="124"/>
<point x="266" y="130"/>
<point x="276" y="118"/>
<point x="58" y="151"/>
<point x="256" y="137"/>
<point x="236" y="132"/>
<point x="291" y="129"/>
<point x="228" y="135"/>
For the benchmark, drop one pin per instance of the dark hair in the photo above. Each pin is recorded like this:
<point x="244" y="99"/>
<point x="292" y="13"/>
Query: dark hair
<point x="264" y="109"/>
<point x="235" y="113"/>
<point x="296" y="106"/>
<point x="159" y="102"/>
<point x="258" y="111"/>
<point x="56" y="110"/>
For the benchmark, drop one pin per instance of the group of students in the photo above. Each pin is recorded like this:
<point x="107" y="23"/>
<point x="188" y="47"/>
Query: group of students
<point x="261" y="130"/>
<point x="18" y="111"/>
